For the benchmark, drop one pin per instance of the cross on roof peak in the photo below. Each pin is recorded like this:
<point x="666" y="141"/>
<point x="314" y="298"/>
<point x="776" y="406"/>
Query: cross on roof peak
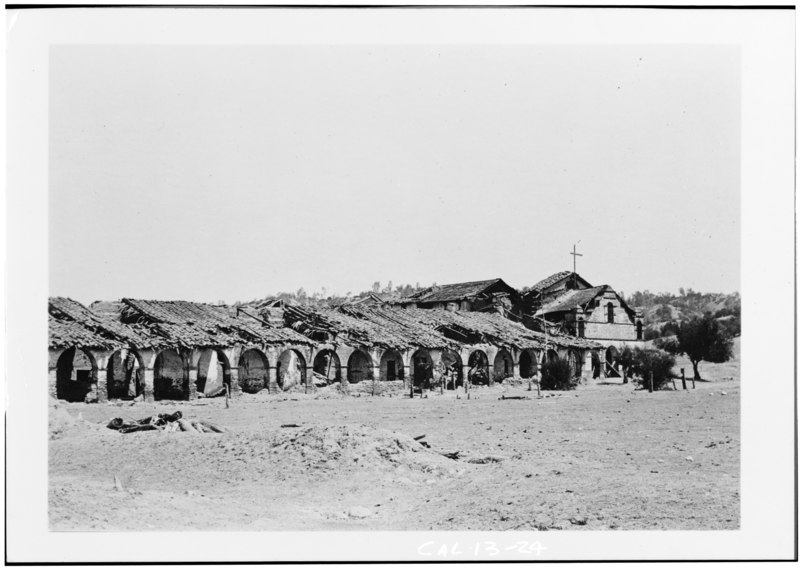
<point x="575" y="256"/>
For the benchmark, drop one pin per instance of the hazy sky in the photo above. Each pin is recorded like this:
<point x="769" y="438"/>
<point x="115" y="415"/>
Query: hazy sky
<point x="230" y="173"/>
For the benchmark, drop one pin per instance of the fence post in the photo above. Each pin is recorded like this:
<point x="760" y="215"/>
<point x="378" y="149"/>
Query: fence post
<point x="683" y="378"/>
<point x="651" y="382"/>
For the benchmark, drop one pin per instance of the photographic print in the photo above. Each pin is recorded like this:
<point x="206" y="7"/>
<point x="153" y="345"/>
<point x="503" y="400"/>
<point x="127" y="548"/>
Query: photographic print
<point x="366" y="286"/>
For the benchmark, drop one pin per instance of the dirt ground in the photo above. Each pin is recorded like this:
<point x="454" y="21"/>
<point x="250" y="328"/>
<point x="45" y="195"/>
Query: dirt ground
<point x="603" y="457"/>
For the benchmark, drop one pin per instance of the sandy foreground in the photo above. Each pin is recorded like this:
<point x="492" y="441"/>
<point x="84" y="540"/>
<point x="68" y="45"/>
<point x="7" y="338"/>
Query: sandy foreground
<point x="604" y="457"/>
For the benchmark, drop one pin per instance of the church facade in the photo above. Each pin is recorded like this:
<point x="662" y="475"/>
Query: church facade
<point x="580" y="309"/>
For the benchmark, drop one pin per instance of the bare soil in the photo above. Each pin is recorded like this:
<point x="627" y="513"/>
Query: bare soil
<point x="603" y="457"/>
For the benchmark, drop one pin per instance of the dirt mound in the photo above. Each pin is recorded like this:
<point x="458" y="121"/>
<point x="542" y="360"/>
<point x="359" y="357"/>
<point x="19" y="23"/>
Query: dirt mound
<point x="357" y="444"/>
<point x="61" y="423"/>
<point x="378" y="388"/>
<point x="271" y="455"/>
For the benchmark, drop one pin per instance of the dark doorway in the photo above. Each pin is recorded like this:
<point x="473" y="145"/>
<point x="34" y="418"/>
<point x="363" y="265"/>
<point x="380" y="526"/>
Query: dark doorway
<point x="124" y="376"/>
<point x="527" y="365"/>
<point x="75" y="375"/>
<point x="253" y="371"/>
<point x="391" y="366"/>
<point x="170" y="381"/>
<point x="327" y="368"/>
<point x="422" y="369"/>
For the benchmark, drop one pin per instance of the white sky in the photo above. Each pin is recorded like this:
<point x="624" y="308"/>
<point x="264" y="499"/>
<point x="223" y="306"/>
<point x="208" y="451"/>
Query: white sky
<point x="230" y="173"/>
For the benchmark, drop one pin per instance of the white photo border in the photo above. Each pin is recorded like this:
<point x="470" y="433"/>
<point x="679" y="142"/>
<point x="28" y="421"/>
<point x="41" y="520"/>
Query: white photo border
<point x="768" y="474"/>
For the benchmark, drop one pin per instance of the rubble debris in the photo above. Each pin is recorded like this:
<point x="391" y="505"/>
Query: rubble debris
<point x="163" y="422"/>
<point x="485" y="460"/>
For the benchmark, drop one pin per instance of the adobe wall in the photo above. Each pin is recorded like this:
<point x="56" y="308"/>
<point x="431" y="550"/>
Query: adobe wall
<point x="598" y="328"/>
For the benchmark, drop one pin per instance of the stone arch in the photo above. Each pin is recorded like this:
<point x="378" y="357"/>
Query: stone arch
<point x="528" y="366"/>
<point x="125" y="375"/>
<point x="392" y="367"/>
<point x="503" y="365"/>
<point x="327" y="365"/>
<point x="76" y="374"/>
<point x="170" y="379"/>
<point x="213" y="372"/>
<point x="421" y="368"/>
<point x="454" y="369"/>
<point x="291" y="369"/>
<point x="478" y="364"/>
<point x="359" y="367"/>
<point x="253" y="371"/>
<point x="552" y="355"/>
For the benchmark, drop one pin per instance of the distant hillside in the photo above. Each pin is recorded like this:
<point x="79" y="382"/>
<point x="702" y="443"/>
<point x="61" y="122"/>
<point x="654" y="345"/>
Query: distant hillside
<point x="663" y="312"/>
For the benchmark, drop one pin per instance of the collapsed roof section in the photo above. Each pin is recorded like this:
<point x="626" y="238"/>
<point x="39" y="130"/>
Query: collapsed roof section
<point x="363" y="326"/>
<point x="408" y="328"/>
<point x="71" y="324"/>
<point x="191" y="324"/>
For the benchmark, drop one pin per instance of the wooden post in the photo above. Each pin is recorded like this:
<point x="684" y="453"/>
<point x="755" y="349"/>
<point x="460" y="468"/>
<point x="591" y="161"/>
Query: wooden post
<point x="673" y="384"/>
<point x="651" y="382"/>
<point x="693" y="381"/>
<point x="683" y="378"/>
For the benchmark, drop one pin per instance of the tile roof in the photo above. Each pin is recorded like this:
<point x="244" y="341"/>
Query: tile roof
<point x="452" y="292"/>
<point x="72" y="324"/>
<point x="192" y="324"/>
<point x="549" y="281"/>
<point x="571" y="300"/>
<point x="398" y="328"/>
<point x="65" y="333"/>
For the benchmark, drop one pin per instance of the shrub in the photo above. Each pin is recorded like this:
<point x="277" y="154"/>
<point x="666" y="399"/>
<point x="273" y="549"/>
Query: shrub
<point x="651" y="333"/>
<point x="658" y="362"/>
<point x="557" y="375"/>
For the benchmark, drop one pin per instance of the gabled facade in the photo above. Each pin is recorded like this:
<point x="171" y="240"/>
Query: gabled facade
<point x="596" y="313"/>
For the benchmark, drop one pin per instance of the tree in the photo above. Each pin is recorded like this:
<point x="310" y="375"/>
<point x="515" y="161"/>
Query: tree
<point x="702" y="339"/>
<point x="557" y="375"/>
<point x="655" y="363"/>
<point x="626" y="360"/>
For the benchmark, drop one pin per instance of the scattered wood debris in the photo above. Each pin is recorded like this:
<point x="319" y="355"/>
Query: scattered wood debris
<point x="174" y="422"/>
